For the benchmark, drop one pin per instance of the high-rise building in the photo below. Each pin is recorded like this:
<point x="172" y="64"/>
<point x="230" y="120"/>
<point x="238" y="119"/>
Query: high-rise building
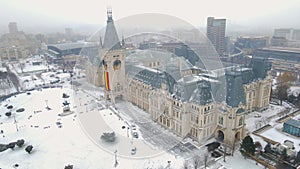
<point x="286" y="33"/>
<point x="68" y="31"/>
<point x="216" y="33"/>
<point x="12" y="27"/>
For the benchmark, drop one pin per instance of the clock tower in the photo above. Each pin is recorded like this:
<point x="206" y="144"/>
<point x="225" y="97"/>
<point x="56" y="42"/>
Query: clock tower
<point x="113" y="56"/>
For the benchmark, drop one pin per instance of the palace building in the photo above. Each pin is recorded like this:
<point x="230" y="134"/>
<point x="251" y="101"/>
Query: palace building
<point x="175" y="95"/>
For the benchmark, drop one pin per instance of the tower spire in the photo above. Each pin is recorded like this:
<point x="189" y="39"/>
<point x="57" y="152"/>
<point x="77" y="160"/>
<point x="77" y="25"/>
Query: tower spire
<point x="123" y="42"/>
<point x="111" y="39"/>
<point x="109" y="15"/>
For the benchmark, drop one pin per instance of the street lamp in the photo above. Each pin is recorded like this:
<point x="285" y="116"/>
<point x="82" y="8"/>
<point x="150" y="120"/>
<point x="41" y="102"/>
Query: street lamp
<point x="116" y="161"/>
<point x="15" y="121"/>
<point x="46" y="101"/>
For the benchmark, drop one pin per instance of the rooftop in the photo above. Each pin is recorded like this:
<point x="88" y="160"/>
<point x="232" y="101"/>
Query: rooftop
<point x="283" y="49"/>
<point x="73" y="45"/>
<point x="293" y="122"/>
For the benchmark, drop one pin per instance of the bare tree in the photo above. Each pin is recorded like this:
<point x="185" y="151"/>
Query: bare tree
<point x="205" y="159"/>
<point x="185" y="164"/>
<point x="196" y="161"/>
<point x="224" y="154"/>
<point x="283" y="84"/>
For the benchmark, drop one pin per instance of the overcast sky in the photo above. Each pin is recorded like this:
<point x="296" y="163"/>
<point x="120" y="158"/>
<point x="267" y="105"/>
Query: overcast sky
<point x="273" y="13"/>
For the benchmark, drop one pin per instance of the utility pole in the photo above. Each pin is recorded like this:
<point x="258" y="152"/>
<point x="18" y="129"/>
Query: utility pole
<point x="116" y="161"/>
<point x="224" y="155"/>
<point x="15" y="121"/>
<point x="46" y="101"/>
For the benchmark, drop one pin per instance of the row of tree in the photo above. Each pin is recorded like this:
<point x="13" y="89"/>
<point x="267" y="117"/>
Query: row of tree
<point x="18" y="143"/>
<point x="284" y="82"/>
<point x="248" y="147"/>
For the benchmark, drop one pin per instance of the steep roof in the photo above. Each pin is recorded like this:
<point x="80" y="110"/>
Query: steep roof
<point x="260" y="67"/>
<point x="111" y="39"/>
<point x="235" y="89"/>
<point x="152" y="77"/>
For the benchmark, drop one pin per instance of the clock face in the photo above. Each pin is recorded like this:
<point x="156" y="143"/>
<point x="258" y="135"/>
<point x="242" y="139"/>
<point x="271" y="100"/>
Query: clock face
<point x="104" y="64"/>
<point x="117" y="64"/>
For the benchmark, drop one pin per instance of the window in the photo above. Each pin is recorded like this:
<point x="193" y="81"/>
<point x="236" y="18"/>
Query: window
<point x="221" y="120"/>
<point x="241" y="121"/>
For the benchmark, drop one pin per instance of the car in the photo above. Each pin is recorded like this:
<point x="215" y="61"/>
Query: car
<point x="135" y="135"/>
<point x="216" y="154"/>
<point x="223" y="149"/>
<point x="133" y="127"/>
<point x="257" y="115"/>
<point x="133" y="150"/>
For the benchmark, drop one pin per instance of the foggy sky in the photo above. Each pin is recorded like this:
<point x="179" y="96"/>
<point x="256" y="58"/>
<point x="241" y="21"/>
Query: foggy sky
<point x="52" y="13"/>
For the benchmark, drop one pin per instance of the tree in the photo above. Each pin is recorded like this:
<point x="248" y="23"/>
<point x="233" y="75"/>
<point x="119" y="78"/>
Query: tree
<point x="281" y="92"/>
<point x="297" y="159"/>
<point x="11" y="145"/>
<point x="20" y="143"/>
<point x="28" y="149"/>
<point x="185" y="164"/>
<point x="268" y="148"/>
<point x="108" y="137"/>
<point x="69" y="167"/>
<point x="248" y="145"/>
<point x="284" y="154"/>
<point x="8" y="114"/>
<point x="65" y="96"/>
<point x="286" y="77"/>
<point x="283" y="84"/>
<point x="205" y="160"/>
<point x="3" y="147"/>
<point x="196" y="161"/>
<point x="258" y="146"/>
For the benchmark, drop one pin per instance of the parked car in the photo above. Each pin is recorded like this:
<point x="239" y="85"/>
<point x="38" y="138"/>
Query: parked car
<point x="135" y="135"/>
<point x="257" y="115"/>
<point x="133" y="127"/>
<point x="133" y="151"/>
<point x="216" y="154"/>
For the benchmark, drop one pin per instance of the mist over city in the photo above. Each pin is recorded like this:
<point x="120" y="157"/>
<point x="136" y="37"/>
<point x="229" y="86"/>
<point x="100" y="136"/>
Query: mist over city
<point x="84" y="16"/>
<point x="149" y="84"/>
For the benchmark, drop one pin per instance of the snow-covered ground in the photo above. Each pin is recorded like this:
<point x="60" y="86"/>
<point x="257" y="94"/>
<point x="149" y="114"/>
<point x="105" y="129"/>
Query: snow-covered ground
<point x="295" y="90"/>
<point x="30" y="82"/>
<point x="29" y="65"/>
<point x="255" y="120"/>
<point x="77" y="140"/>
<point x="237" y="161"/>
<point x="56" y="147"/>
<point x="277" y="135"/>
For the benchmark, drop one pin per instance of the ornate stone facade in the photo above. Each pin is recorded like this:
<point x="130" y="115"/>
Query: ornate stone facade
<point x="184" y="104"/>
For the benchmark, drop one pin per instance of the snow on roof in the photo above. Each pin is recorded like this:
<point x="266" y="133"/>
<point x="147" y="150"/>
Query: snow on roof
<point x="280" y="137"/>
<point x="295" y="90"/>
<point x="293" y="122"/>
<point x="3" y="69"/>
<point x="149" y="69"/>
<point x="74" y="45"/>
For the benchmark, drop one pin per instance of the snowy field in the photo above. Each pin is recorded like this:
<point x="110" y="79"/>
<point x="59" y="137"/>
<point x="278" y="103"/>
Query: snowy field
<point x="28" y="65"/>
<point x="58" y="145"/>
<point x="277" y="135"/>
<point x="255" y="120"/>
